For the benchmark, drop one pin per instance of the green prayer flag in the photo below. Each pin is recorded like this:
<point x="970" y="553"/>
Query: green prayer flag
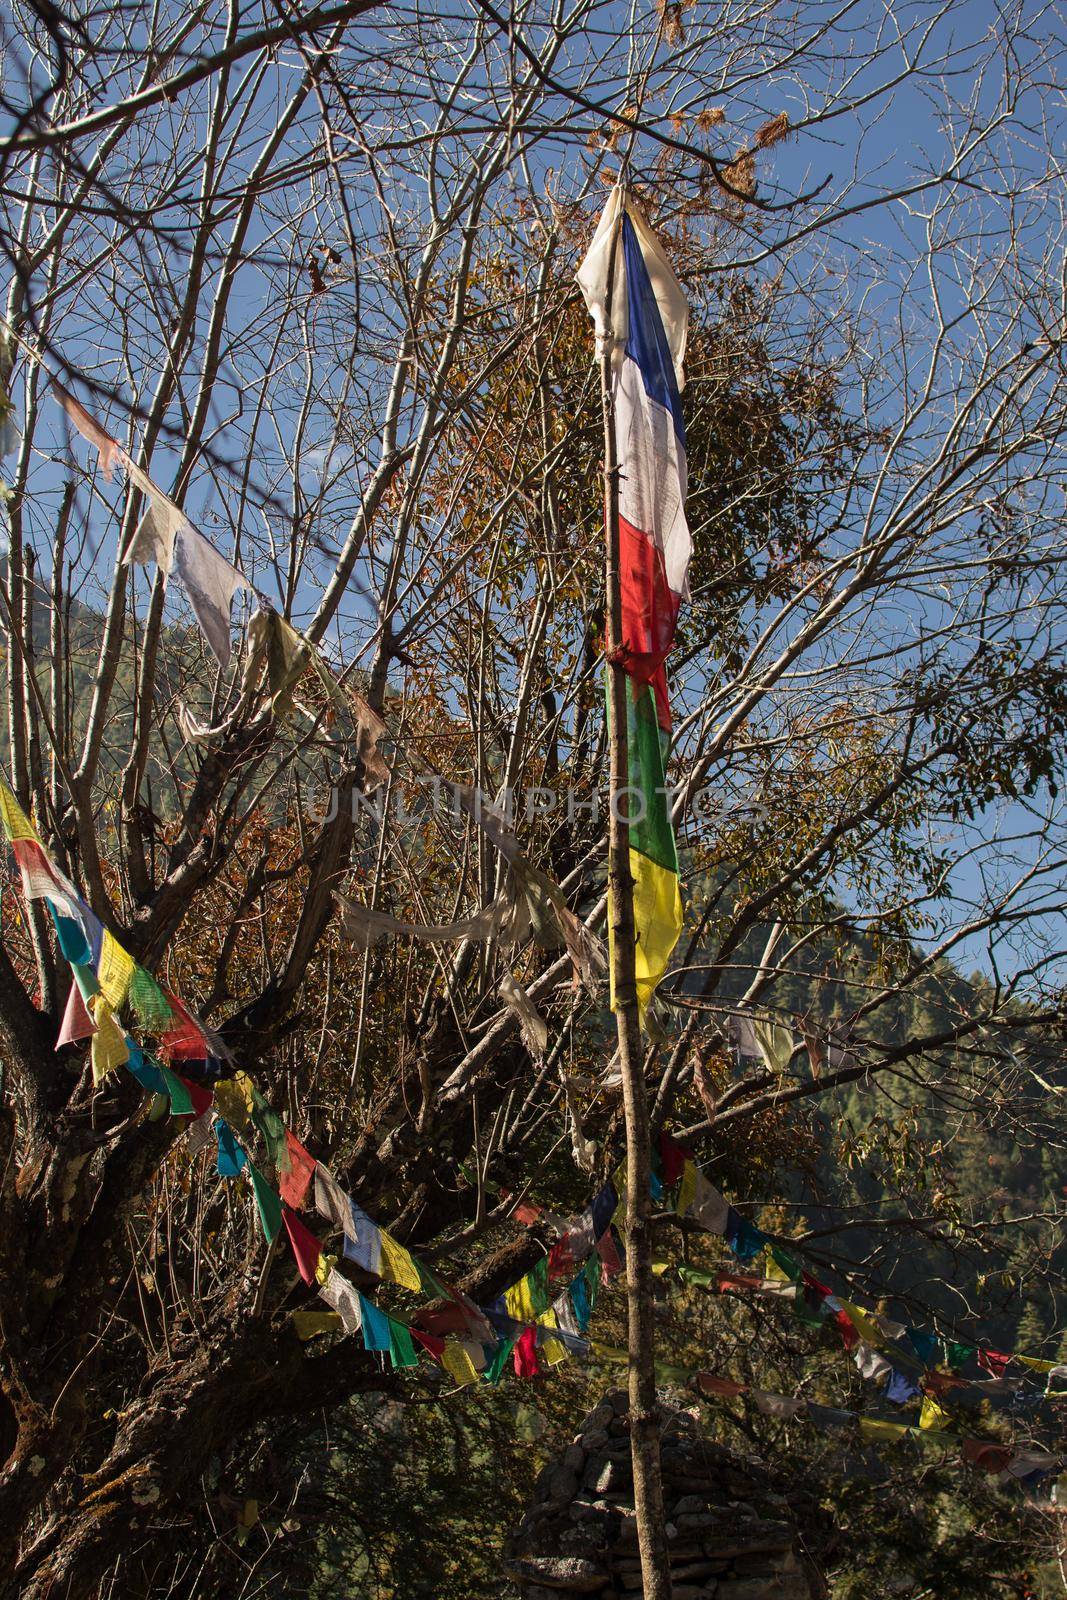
<point x="789" y="1264"/>
<point x="401" y="1345"/>
<point x="537" y="1283"/>
<point x="268" y="1203"/>
<point x="958" y="1355"/>
<point x="495" y="1369"/>
<point x="272" y="1129"/>
<point x="148" y="1003"/>
<point x="180" y="1103"/>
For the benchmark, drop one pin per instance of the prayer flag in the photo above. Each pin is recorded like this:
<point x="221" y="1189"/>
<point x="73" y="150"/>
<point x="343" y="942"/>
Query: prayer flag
<point x="14" y="821"/>
<point x="396" y="1264"/>
<point x="231" y="1158"/>
<point x="725" y="1388"/>
<point x="525" y="1354"/>
<point x="932" y="1416"/>
<point x="926" y="1345"/>
<point x="296" y="1182"/>
<point x="376" y="1335"/>
<point x="309" y="1324"/>
<point x="115" y="971"/>
<point x="745" y="1240"/>
<point x="363" y="1239"/>
<point x="42" y="879"/>
<point x="210" y="583"/>
<point x="148" y="1002"/>
<point x="994" y="1361"/>
<point x="458" y="1364"/>
<point x="109" y="1048"/>
<point x="306" y="1247"/>
<point x="344" y="1298"/>
<point x="272" y="1131"/>
<point x="77" y="1023"/>
<point x="687" y="1189"/>
<point x="900" y="1388"/>
<point x="268" y="1203"/>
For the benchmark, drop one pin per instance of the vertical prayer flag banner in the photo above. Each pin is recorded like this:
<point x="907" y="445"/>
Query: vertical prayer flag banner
<point x="641" y="316"/>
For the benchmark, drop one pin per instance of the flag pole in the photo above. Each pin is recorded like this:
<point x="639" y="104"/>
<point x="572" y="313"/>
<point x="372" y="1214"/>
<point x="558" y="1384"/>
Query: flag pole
<point x="644" y="1412"/>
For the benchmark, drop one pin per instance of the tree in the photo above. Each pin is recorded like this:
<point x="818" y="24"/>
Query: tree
<point x="316" y="275"/>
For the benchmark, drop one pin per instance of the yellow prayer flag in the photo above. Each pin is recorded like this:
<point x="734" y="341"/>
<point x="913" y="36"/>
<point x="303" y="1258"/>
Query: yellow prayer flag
<point x="309" y="1324"/>
<point x="608" y="1352"/>
<point x="115" y="970"/>
<point x="519" y="1302"/>
<point x="867" y="1329"/>
<point x="16" y="824"/>
<point x="109" y="1048"/>
<point x="1035" y="1364"/>
<point x="932" y="1415"/>
<point x="396" y="1264"/>
<point x="552" y="1351"/>
<point x="457" y="1363"/>
<point x="234" y="1100"/>
<point x="883" y="1432"/>
<point x="687" y="1189"/>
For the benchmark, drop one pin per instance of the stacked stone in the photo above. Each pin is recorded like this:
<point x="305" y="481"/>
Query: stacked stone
<point x="729" y="1536"/>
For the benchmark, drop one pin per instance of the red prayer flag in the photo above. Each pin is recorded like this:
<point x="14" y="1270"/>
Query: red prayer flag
<point x="295" y="1183"/>
<point x="526" y="1213"/>
<point x="846" y="1328"/>
<point x="610" y="1265"/>
<point x="433" y="1346"/>
<point x="674" y="1157"/>
<point x="200" y="1095"/>
<point x="938" y="1382"/>
<point x="736" y="1280"/>
<point x="561" y="1259"/>
<point x="183" y="1040"/>
<point x="710" y="1384"/>
<point x="994" y="1361"/>
<point x="306" y="1247"/>
<point x="986" y="1457"/>
<point x="524" y="1355"/>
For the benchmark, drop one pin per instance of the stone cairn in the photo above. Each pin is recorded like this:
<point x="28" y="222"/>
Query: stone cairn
<point x="729" y="1535"/>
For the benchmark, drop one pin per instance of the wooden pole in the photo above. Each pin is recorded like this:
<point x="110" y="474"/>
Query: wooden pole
<point x="644" y="1412"/>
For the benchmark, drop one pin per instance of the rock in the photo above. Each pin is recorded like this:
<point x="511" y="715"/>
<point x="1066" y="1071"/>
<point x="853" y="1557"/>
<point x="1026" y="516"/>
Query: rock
<point x="593" y="1440"/>
<point x="606" y="1476"/>
<point x="562" y="1484"/>
<point x="574" y="1573"/>
<point x="598" y="1418"/>
<point x="695" y="1571"/>
<point x="748" y="1589"/>
<point x="618" y="1400"/>
<point x="688" y="1504"/>
<point x="573" y="1458"/>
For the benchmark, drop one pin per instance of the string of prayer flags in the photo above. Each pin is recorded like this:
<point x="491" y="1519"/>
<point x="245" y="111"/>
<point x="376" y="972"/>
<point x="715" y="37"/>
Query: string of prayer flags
<point x="106" y="977"/>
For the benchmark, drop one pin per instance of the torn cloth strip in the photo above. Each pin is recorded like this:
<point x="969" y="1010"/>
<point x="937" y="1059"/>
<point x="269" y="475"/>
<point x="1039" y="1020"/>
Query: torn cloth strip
<point x="210" y="582"/>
